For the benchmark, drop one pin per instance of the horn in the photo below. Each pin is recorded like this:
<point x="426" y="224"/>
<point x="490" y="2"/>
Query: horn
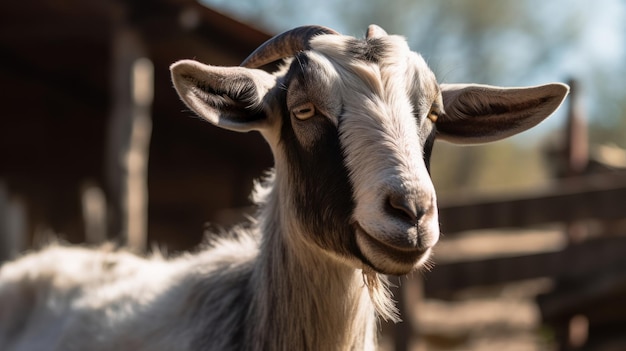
<point x="374" y="31"/>
<point x="284" y="45"/>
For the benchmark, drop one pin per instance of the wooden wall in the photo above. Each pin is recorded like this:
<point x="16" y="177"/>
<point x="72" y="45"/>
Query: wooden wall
<point x="59" y="90"/>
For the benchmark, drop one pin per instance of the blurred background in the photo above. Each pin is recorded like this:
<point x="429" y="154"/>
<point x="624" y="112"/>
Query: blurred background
<point x="95" y="145"/>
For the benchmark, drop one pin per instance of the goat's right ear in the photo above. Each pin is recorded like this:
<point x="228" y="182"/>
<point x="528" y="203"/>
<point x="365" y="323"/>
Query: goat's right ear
<point x="229" y="97"/>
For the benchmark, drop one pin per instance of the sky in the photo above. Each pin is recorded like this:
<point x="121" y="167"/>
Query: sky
<point x="595" y="53"/>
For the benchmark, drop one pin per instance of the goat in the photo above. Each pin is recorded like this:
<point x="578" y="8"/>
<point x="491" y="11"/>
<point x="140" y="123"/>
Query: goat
<point x="351" y="124"/>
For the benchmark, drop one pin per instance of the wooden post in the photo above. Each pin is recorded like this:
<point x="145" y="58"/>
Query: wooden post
<point x="408" y="294"/>
<point x="577" y="160"/>
<point x="402" y="330"/>
<point x="137" y="156"/>
<point x="577" y="140"/>
<point x="12" y="225"/>
<point x="93" y="205"/>
<point x="576" y="153"/>
<point x="128" y="138"/>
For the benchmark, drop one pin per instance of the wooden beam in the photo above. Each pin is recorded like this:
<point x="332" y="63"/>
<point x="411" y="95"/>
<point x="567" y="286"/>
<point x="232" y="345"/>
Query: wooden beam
<point x="13" y="234"/>
<point x="128" y="139"/>
<point x="576" y="260"/>
<point x="591" y="197"/>
<point x="598" y="296"/>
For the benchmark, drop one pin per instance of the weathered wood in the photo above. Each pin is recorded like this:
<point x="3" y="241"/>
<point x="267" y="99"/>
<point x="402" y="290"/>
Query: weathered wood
<point x="591" y="197"/>
<point x="94" y="211"/>
<point x="128" y="138"/>
<point x="408" y="293"/>
<point x="51" y="147"/>
<point x="403" y="330"/>
<point x="576" y="134"/>
<point x="598" y="295"/>
<point x="576" y="154"/>
<point x="596" y="300"/>
<point x="576" y="260"/>
<point x="12" y="225"/>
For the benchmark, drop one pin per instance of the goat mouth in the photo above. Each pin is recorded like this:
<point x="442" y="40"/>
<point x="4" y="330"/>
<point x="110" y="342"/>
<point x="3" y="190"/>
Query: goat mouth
<point x="388" y="259"/>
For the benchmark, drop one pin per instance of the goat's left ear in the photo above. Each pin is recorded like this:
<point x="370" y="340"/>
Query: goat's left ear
<point x="482" y="113"/>
<point x="229" y="97"/>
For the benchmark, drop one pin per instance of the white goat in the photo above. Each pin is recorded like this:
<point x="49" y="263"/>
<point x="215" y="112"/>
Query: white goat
<point x="351" y="124"/>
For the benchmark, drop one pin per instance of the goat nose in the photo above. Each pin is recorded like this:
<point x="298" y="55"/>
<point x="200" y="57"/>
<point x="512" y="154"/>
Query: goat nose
<point x="406" y="207"/>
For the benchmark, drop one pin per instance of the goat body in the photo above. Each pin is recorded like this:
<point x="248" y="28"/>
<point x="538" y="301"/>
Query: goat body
<point x="351" y="124"/>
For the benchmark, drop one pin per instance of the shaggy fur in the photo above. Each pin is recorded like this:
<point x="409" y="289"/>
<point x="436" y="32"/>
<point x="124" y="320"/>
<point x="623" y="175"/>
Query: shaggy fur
<point x="351" y="125"/>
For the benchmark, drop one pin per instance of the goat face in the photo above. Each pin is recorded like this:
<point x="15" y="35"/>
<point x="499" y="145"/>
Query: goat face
<point x="351" y="124"/>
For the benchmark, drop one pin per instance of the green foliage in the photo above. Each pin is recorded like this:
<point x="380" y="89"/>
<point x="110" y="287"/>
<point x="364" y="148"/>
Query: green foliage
<point x="502" y="167"/>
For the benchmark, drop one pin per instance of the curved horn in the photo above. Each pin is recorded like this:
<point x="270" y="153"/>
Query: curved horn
<point x="374" y="31"/>
<point x="284" y="45"/>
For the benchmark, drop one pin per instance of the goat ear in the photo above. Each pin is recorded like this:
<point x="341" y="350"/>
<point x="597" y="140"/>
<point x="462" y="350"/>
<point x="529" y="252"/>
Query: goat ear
<point x="481" y="113"/>
<point x="229" y="97"/>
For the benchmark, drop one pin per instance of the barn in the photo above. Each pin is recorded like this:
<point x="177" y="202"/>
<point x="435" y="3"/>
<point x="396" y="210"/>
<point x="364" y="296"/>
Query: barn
<point x="81" y="149"/>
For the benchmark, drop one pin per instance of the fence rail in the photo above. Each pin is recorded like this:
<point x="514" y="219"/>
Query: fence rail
<point x="601" y="196"/>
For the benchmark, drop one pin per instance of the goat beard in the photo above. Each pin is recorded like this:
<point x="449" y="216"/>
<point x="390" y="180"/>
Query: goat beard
<point x="380" y="295"/>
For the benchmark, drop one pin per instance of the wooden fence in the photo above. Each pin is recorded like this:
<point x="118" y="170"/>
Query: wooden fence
<point x="595" y="267"/>
<point x="589" y="274"/>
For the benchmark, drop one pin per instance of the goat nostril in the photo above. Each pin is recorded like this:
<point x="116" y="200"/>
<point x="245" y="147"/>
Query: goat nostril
<point x="399" y="204"/>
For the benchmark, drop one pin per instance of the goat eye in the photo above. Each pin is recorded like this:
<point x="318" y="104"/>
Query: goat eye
<point x="304" y="111"/>
<point x="433" y="115"/>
